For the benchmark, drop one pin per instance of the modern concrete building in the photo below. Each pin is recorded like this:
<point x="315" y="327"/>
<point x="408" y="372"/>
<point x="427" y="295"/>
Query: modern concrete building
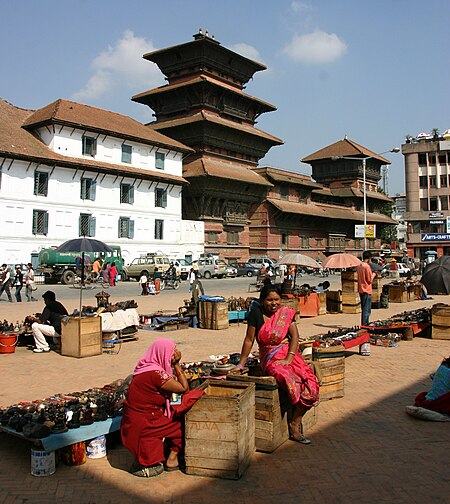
<point x="70" y="170"/>
<point x="427" y="183"/>
<point x="398" y="214"/>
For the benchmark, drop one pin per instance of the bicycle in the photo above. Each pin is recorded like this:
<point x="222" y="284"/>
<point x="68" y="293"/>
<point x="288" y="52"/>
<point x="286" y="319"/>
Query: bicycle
<point x="90" y="283"/>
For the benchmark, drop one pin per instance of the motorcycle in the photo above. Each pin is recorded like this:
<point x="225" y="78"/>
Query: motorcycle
<point x="170" y="282"/>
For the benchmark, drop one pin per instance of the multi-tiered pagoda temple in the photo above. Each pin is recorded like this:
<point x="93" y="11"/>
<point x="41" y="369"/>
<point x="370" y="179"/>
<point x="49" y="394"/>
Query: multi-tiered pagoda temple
<point x="204" y="106"/>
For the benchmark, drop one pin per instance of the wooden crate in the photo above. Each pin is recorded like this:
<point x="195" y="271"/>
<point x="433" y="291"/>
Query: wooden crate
<point x="440" y="319"/>
<point x="271" y="412"/>
<point x="322" y="303"/>
<point x="220" y="430"/>
<point x="349" y="281"/>
<point x="213" y="315"/>
<point x="376" y="290"/>
<point x="397" y="294"/>
<point x="332" y="371"/>
<point x="81" y="337"/>
<point x="291" y="303"/>
<point x="334" y="301"/>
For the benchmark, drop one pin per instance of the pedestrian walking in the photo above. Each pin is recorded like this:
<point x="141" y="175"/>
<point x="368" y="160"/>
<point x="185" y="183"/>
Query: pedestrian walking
<point x="6" y="282"/>
<point x="18" y="283"/>
<point x="112" y="274"/>
<point x="29" y="283"/>
<point x="192" y="276"/>
<point x="143" y="281"/>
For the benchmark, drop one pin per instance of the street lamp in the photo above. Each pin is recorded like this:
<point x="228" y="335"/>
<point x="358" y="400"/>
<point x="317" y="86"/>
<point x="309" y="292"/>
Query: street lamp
<point x="364" y="159"/>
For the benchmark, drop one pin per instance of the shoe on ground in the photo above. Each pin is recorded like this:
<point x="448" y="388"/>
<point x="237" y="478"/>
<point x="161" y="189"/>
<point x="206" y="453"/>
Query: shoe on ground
<point x="41" y="350"/>
<point x="149" y="472"/>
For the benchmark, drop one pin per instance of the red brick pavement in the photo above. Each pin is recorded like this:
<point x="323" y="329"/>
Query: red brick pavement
<point x="365" y="448"/>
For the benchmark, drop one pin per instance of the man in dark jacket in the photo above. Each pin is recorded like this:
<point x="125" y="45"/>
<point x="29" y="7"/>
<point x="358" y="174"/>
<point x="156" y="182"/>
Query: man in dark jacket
<point x="48" y="323"/>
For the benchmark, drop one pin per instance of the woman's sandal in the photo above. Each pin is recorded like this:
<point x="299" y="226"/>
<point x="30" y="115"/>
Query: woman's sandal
<point x="170" y="469"/>
<point x="300" y="438"/>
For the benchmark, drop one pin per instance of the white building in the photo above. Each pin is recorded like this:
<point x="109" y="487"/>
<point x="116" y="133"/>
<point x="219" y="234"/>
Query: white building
<point x="70" y="170"/>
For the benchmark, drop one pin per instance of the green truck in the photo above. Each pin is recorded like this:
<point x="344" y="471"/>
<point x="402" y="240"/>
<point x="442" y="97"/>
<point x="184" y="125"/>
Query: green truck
<point x="62" y="266"/>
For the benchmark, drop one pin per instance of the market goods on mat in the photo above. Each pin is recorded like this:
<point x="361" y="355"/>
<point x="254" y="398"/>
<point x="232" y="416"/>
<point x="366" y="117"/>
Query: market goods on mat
<point x="60" y="412"/>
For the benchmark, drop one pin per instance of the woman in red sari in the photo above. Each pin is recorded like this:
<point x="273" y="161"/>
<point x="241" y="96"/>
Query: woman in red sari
<point x="150" y="425"/>
<point x="273" y="327"/>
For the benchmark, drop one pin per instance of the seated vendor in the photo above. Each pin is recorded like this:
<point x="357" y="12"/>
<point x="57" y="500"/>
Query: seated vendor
<point x="150" y="425"/>
<point x="48" y="323"/>
<point x="438" y="397"/>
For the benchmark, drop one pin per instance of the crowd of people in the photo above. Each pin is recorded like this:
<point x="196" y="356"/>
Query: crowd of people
<point x="17" y="281"/>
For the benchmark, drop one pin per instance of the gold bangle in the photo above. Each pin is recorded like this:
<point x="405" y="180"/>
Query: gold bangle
<point x="292" y="353"/>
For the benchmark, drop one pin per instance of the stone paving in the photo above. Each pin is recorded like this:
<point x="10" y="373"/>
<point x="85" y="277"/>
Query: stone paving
<point x="365" y="448"/>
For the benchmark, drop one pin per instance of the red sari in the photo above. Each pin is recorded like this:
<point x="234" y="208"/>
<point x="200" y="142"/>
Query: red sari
<point x="145" y="429"/>
<point x="297" y="378"/>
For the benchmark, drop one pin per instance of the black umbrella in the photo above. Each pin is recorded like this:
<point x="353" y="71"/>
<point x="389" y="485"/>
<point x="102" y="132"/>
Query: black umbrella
<point x="436" y="276"/>
<point x="83" y="245"/>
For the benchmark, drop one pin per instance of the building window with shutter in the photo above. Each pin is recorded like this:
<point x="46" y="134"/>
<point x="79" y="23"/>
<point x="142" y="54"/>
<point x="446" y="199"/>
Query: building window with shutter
<point x="232" y="238"/>
<point x="161" y="198"/>
<point x="40" y="183"/>
<point x="305" y="241"/>
<point x="212" y="237"/>
<point x="160" y="159"/>
<point x="126" y="153"/>
<point x="40" y="222"/>
<point x="126" y="193"/>
<point x="88" y="189"/>
<point x="89" y="146"/>
<point x="126" y="227"/>
<point x="86" y="225"/>
<point x="284" y="192"/>
<point x="159" y="229"/>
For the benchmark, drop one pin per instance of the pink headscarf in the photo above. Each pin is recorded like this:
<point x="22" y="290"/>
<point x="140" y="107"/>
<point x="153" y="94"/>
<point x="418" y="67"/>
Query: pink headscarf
<point x="157" y="357"/>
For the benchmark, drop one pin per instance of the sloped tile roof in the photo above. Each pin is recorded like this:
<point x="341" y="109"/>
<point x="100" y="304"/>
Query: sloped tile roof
<point x="196" y="80"/>
<point x="344" y="147"/>
<point x="345" y="192"/>
<point x="99" y="120"/>
<point x="329" y="211"/>
<point x="206" y="116"/>
<point x="18" y="143"/>
<point x="277" y="175"/>
<point x="221" y="169"/>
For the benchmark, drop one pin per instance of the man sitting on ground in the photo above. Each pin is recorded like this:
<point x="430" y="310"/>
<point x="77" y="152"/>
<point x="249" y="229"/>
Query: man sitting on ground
<point x="48" y="323"/>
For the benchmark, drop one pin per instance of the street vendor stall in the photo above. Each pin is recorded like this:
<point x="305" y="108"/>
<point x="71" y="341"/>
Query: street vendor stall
<point x="409" y="324"/>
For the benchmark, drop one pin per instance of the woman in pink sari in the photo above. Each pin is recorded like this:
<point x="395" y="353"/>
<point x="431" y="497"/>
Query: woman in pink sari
<point x="273" y="327"/>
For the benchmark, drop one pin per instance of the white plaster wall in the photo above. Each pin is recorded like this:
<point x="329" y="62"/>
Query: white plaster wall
<point x="64" y="205"/>
<point x="68" y="142"/>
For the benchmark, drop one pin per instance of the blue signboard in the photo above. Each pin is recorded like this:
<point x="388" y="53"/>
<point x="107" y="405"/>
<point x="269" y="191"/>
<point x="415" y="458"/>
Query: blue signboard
<point x="432" y="237"/>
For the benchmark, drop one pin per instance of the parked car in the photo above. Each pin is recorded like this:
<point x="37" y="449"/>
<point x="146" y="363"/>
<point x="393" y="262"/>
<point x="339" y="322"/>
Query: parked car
<point x="211" y="267"/>
<point x="183" y="267"/>
<point x="403" y="270"/>
<point x="231" y="271"/>
<point x="145" y="265"/>
<point x="245" y="269"/>
<point x="258" y="261"/>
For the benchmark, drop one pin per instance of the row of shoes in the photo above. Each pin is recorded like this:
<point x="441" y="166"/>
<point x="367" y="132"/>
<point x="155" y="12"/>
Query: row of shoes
<point x="59" y="413"/>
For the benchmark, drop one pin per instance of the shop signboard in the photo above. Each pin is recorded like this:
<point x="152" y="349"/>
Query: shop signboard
<point x="436" y="222"/>
<point x="436" y="215"/>
<point x="370" y="231"/>
<point x="432" y="237"/>
<point x="448" y="224"/>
